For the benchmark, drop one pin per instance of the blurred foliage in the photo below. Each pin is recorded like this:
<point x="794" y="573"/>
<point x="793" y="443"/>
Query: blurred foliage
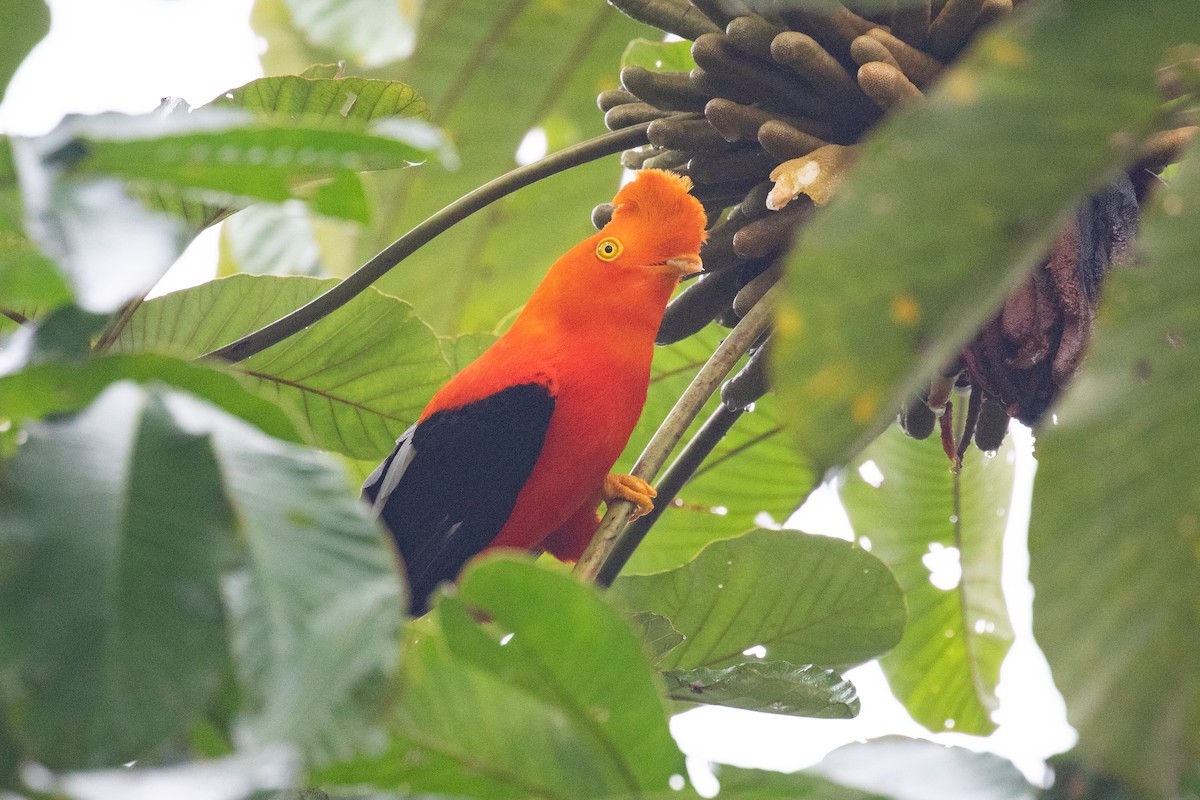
<point x="1115" y="606"/>
<point x="189" y="582"/>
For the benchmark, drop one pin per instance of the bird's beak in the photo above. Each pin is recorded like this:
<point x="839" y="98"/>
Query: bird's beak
<point x="684" y="265"/>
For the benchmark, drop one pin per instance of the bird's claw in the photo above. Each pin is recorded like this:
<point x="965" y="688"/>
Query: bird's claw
<point x="633" y="489"/>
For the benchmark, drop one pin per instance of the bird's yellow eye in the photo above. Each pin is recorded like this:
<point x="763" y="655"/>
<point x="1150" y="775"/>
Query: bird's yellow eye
<point x="609" y="248"/>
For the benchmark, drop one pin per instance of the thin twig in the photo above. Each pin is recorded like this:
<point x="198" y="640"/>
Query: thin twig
<point x="406" y="245"/>
<point x="673" y="480"/>
<point x="15" y="316"/>
<point x="735" y="345"/>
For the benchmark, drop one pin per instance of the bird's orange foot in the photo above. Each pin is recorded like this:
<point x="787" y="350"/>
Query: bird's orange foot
<point x="635" y="490"/>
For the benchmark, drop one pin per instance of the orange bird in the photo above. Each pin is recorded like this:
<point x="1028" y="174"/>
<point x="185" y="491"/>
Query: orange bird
<point x="515" y="450"/>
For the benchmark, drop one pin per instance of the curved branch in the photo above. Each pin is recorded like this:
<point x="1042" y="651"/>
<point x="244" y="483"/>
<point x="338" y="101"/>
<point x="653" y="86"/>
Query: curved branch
<point x="614" y="525"/>
<point x="422" y="234"/>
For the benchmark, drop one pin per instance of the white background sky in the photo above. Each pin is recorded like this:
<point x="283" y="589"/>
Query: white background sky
<point x="125" y="55"/>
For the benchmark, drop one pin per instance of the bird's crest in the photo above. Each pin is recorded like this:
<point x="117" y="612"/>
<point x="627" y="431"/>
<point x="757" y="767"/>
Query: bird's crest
<point x="662" y="199"/>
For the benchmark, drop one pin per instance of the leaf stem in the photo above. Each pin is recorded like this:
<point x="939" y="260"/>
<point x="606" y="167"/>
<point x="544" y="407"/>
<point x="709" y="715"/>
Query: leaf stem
<point x="604" y="555"/>
<point x="118" y="323"/>
<point x="406" y="245"/>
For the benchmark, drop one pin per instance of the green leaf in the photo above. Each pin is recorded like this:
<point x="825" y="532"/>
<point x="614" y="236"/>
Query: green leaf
<point x="1115" y="529"/>
<point x="659" y="56"/>
<point x="946" y="668"/>
<point x="567" y="707"/>
<point x="30" y="284"/>
<point x="314" y="596"/>
<point x="597" y="673"/>
<point x="358" y="378"/>
<point x="371" y="32"/>
<point x="244" y="156"/>
<point x="491" y="72"/>
<point x="42" y="390"/>
<point x="775" y="687"/>
<point x="299" y="97"/>
<point x="316" y="97"/>
<point x="913" y="769"/>
<point x="804" y="599"/>
<point x="753" y="469"/>
<point x="27" y="22"/>
<point x="952" y="200"/>
<point x="112" y="533"/>
<point x="65" y="334"/>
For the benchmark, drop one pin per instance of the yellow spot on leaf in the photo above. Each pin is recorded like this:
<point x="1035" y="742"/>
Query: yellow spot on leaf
<point x="864" y="407"/>
<point x="788" y="323"/>
<point x="960" y="87"/>
<point x="827" y="382"/>
<point x="905" y="309"/>
<point x="1007" y="52"/>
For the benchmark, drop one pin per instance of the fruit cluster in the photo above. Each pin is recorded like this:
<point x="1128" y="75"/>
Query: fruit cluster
<point x="765" y="124"/>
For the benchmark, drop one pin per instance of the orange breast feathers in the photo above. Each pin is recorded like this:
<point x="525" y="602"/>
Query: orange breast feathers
<point x="568" y="381"/>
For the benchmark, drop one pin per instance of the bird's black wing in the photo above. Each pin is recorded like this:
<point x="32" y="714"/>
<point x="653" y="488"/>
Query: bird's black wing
<point x="453" y="479"/>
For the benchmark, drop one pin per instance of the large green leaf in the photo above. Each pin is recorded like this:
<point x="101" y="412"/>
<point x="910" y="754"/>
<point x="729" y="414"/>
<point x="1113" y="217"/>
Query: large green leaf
<point x="617" y="696"/>
<point x="56" y="387"/>
<point x="1115" y="533"/>
<point x="567" y="707"/>
<point x="491" y="72"/>
<point x="298" y="97"/>
<point x="280" y="239"/>
<point x="804" y="599"/>
<point x="755" y="468"/>
<point x="314" y="596"/>
<point x="246" y="156"/>
<point x="953" y="199"/>
<point x="358" y="378"/>
<point x="27" y="22"/>
<point x="902" y="495"/>
<point x="113" y="529"/>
